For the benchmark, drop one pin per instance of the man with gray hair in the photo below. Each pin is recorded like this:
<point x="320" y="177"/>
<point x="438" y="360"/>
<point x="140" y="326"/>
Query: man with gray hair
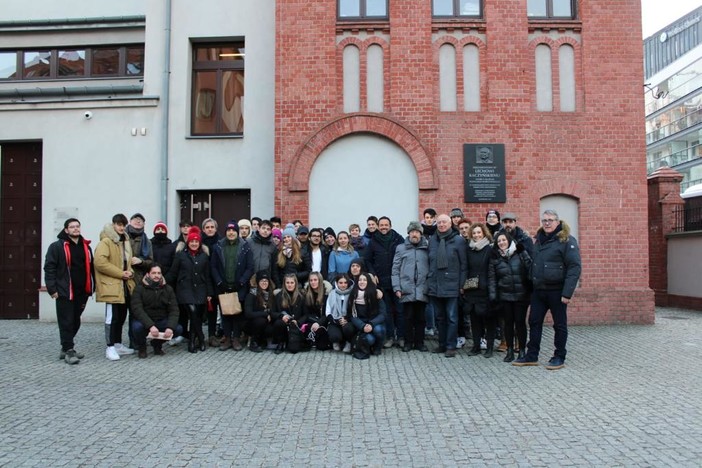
<point x="448" y="267"/>
<point x="555" y="272"/>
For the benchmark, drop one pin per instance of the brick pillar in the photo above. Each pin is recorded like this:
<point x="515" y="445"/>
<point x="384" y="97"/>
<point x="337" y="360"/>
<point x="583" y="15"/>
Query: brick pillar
<point x="663" y="198"/>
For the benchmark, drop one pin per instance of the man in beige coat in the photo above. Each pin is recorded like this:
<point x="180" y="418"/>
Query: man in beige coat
<point x="114" y="280"/>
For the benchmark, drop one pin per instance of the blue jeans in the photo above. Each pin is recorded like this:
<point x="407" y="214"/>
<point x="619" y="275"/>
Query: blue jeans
<point x="377" y="335"/>
<point x="140" y="332"/>
<point x="394" y="319"/>
<point x="541" y="302"/>
<point x="446" y="310"/>
<point x="429" y="316"/>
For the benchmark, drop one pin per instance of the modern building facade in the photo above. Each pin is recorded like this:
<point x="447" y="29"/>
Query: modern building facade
<point x="673" y="96"/>
<point x="349" y="108"/>
<point x="131" y="106"/>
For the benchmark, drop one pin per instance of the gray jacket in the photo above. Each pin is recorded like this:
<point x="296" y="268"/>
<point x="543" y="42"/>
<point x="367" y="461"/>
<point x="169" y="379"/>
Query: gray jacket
<point x="410" y="268"/>
<point x="447" y="282"/>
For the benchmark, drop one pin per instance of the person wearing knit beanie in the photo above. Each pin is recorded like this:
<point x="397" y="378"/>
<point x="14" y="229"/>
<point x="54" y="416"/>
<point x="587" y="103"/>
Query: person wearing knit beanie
<point x="161" y="225"/>
<point x="194" y="233"/>
<point x="456" y="216"/>
<point x="289" y="231"/>
<point x="329" y="237"/>
<point x="232" y="225"/>
<point x="492" y="220"/>
<point x="276" y="236"/>
<point x="415" y="226"/>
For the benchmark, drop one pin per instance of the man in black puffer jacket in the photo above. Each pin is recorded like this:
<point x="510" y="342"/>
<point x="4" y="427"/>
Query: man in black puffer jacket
<point x="155" y="310"/>
<point x="555" y="272"/>
<point x="379" y="255"/>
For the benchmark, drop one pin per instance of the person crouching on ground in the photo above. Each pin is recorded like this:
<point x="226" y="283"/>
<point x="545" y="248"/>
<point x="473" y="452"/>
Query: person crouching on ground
<point x="155" y="310"/>
<point x="367" y="317"/>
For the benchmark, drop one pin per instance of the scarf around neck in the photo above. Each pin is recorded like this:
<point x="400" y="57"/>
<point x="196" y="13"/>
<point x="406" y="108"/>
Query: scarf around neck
<point x="480" y="245"/>
<point x="442" y="253"/>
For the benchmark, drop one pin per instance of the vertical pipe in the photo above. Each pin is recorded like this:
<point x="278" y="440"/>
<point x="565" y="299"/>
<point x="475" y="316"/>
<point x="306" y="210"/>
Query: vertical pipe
<point x="165" y="93"/>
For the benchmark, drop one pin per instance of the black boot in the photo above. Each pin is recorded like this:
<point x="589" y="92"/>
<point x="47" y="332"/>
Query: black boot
<point x="488" y="351"/>
<point x="475" y="350"/>
<point x="191" y="344"/>
<point x="522" y="352"/>
<point x="280" y="347"/>
<point x="510" y="355"/>
<point x="201" y="341"/>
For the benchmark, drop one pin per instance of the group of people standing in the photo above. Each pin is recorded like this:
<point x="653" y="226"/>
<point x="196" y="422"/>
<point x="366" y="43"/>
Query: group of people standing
<point x="292" y="288"/>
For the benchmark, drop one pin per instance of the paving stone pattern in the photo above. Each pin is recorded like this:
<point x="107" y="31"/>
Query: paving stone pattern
<point x="629" y="396"/>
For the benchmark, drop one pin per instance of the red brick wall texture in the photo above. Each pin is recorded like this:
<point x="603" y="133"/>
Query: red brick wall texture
<point x="595" y="155"/>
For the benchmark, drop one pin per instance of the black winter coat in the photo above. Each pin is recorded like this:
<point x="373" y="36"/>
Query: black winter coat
<point x="164" y="252"/>
<point x="379" y="258"/>
<point x="57" y="269"/>
<point x="301" y="270"/>
<point x="254" y="309"/>
<point x="556" y="261"/>
<point x="508" y="278"/>
<point x="297" y="310"/>
<point x="478" y="261"/>
<point x="152" y="303"/>
<point x="191" y="277"/>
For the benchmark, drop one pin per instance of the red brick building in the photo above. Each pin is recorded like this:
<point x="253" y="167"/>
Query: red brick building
<point x="559" y="86"/>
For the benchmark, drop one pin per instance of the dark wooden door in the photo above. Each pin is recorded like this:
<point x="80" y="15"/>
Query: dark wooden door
<point x="20" y="237"/>
<point x="222" y="205"/>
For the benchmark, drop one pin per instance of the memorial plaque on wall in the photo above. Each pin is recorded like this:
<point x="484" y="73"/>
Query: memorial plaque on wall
<point x="484" y="173"/>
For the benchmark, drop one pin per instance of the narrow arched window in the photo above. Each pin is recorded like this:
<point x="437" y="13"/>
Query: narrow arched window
<point x="375" y="78"/>
<point x="471" y="78"/>
<point x="544" y="83"/>
<point x="566" y="77"/>
<point x="447" y="78"/>
<point x="352" y="81"/>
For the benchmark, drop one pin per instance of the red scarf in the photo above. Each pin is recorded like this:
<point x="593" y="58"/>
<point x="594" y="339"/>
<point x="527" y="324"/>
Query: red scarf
<point x="88" y="276"/>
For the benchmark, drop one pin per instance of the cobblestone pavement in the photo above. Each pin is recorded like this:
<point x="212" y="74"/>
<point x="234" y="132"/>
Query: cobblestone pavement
<point x="629" y="396"/>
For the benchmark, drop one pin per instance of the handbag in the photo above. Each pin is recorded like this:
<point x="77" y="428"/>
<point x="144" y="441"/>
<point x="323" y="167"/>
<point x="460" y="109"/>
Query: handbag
<point x="472" y="283"/>
<point x="295" y="338"/>
<point x="229" y="303"/>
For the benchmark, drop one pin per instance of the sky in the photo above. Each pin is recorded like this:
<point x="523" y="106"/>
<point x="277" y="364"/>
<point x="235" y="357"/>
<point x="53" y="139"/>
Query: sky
<point x="657" y="14"/>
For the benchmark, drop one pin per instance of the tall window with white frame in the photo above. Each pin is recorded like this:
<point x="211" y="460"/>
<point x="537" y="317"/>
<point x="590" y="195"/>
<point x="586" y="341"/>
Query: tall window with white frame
<point x="217" y="106"/>
<point x="551" y="9"/>
<point x="362" y="9"/>
<point x="457" y="8"/>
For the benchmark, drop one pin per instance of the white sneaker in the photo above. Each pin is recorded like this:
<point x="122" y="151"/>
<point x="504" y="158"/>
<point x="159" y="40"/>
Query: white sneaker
<point x="336" y="346"/>
<point x="111" y="353"/>
<point x="483" y="343"/>
<point x="175" y="341"/>
<point x="123" y="350"/>
<point x="460" y="342"/>
<point x="347" y="348"/>
<point x="428" y="332"/>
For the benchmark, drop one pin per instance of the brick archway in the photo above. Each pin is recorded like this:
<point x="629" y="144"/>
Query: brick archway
<point x="309" y="151"/>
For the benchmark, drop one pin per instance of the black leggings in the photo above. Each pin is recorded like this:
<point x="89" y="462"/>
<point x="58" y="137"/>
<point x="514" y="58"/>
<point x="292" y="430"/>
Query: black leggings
<point x="515" y="314"/>
<point x="196" y="312"/>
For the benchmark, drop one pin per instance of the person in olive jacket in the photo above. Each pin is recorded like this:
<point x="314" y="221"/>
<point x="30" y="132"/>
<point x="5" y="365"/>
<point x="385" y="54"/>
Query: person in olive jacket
<point x="555" y="272"/>
<point x="190" y="273"/>
<point x="509" y="286"/>
<point x="155" y="310"/>
<point x="232" y="267"/>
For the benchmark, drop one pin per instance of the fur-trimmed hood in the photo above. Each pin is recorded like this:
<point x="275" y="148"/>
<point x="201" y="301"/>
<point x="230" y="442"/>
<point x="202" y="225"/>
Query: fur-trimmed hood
<point x="562" y="235"/>
<point x="109" y="231"/>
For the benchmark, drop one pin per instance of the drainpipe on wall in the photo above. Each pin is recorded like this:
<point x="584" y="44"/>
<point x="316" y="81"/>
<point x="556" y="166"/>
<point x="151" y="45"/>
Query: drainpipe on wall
<point x="165" y="117"/>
